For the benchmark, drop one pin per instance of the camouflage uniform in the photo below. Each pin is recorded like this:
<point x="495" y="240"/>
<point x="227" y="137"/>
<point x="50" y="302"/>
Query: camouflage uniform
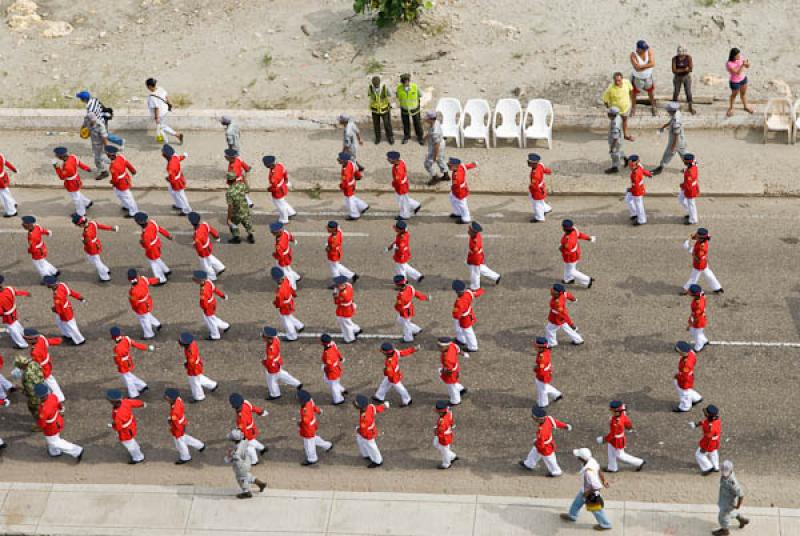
<point x="31" y="376"/>
<point x="236" y="197"/>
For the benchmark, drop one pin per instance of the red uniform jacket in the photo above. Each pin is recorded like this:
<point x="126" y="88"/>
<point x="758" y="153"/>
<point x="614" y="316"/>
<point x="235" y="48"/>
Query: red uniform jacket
<point x="122" y="354"/>
<point x="391" y="365"/>
<point x="558" y="309"/>
<point x="712" y="432"/>
<point x="175" y="174"/>
<point x="537" y="187"/>
<point x="698" y="317"/>
<point x="366" y="421"/>
<point x="345" y="306"/>
<point x="475" y="256"/>
<point x="700" y="255"/>
<point x="570" y="249"/>
<point x="61" y="304"/>
<point x="245" y="421"/>
<point x="284" y="298"/>
<point x="36" y="245"/>
<point x="616" y="430"/>
<point x="121" y="171"/>
<point x="177" y="419"/>
<point x="400" y="178"/>
<point x="202" y="239"/>
<point x="50" y="420"/>
<point x="273" y="360"/>
<point x="451" y="369"/>
<point x="332" y="362"/>
<point x="238" y="167"/>
<point x="194" y="363"/>
<point x="283" y="248"/>
<point x="404" y="305"/>
<point x="278" y="181"/>
<point x="458" y="186"/>
<point x="462" y="308"/>
<point x="68" y="172"/>
<point x="40" y="352"/>
<point x="8" y="303"/>
<point x="208" y="297"/>
<point x="150" y="240"/>
<point x="544" y="367"/>
<point x="685" y="376"/>
<point x="123" y="420"/>
<point x="545" y="444"/>
<point x="690" y="187"/>
<point x="308" y="419"/>
<point x="350" y="174"/>
<point x="92" y="244"/>
<point x="402" y="250"/>
<point x="637" y="181"/>
<point x="4" y="180"/>
<point x="139" y="295"/>
<point x="334" y="248"/>
<point x="444" y="428"/>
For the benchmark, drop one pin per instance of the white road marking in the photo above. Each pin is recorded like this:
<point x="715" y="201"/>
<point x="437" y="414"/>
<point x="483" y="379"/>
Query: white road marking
<point x="339" y="335"/>
<point x="13" y="231"/>
<point x="321" y="234"/>
<point x="483" y="235"/>
<point x="756" y="343"/>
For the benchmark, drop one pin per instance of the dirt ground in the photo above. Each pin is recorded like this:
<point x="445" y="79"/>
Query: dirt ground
<point x="289" y="54"/>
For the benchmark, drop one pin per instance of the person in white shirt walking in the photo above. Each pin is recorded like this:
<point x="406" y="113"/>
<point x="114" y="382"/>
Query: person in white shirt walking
<point x="593" y="480"/>
<point x="159" y="104"/>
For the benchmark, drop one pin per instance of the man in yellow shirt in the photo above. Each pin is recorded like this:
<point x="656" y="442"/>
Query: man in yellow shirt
<point x="620" y="95"/>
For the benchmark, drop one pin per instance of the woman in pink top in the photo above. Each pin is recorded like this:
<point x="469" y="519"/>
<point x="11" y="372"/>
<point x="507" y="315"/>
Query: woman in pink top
<point x="738" y="83"/>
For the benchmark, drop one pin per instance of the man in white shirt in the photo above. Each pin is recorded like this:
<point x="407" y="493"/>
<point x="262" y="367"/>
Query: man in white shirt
<point x="159" y="105"/>
<point x="589" y="495"/>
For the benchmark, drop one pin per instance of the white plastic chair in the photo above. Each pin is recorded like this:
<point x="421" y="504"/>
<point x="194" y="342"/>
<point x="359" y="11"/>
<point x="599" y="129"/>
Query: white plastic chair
<point x="510" y="113"/>
<point x="779" y="116"/>
<point x="480" y="115"/>
<point x="796" y="119"/>
<point x="540" y="113"/>
<point x="451" y="118"/>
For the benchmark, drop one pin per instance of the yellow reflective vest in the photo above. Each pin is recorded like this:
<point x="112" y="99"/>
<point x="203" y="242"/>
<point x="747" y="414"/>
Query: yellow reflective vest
<point x="379" y="100"/>
<point x="408" y="100"/>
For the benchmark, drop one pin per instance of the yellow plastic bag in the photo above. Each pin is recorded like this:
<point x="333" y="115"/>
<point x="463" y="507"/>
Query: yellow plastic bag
<point x="84" y="133"/>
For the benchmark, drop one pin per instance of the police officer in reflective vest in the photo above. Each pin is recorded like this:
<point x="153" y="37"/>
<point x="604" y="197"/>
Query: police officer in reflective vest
<point x="408" y="98"/>
<point x="379" y="105"/>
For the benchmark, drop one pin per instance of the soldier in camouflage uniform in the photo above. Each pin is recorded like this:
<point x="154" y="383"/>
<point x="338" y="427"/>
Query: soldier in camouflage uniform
<point x="238" y="211"/>
<point x="31" y="376"/>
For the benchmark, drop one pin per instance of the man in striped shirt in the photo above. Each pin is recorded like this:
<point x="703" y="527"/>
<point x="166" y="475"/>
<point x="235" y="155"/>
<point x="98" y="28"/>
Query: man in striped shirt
<point x="93" y="105"/>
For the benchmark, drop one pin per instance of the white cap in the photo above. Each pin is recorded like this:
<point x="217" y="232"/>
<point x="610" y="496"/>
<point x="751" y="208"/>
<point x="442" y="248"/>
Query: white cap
<point x="727" y="468"/>
<point x="583" y="454"/>
<point x="236" y="435"/>
<point x="672" y="106"/>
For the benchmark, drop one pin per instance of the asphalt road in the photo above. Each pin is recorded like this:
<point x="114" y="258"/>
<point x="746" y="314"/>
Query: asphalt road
<point x="630" y="319"/>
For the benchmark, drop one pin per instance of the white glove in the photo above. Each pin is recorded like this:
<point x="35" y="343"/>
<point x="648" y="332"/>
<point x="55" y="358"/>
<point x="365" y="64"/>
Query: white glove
<point x="225" y="297"/>
<point x="430" y="297"/>
<point x="387" y="405"/>
<point x="289" y="185"/>
<point x="465" y="354"/>
<point x="569" y="428"/>
<point x="592" y="239"/>
<point x="599" y="440"/>
<point x="110" y="425"/>
<point x="55" y="161"/>
<point x="116" y="228"/>
<point x="186" y="155"/>
<point x="5" y="403"/>
<point x="417" y="347"/>
<point x="475" y="162"/>
<point x="218" y="240"/>
<point x="84" y="301"/>
<point x="295" y="242"/>
<point x="264" y="413"/>
<point x="16" y="374"/>
<point x="151" y="348"/>
<point x="687" y="245"/>
<point x="144" y="404"/>
<point x="52" y="234"/>
<point x="692" y="424"/>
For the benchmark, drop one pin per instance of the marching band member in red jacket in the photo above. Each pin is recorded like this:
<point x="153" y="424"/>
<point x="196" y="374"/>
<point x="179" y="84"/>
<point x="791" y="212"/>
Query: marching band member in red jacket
<point x="177" y="427"/>
<point x="123" y="358"/>
<point x="450" y="370"/>
<point x="464" y="315"/>
<point x="204" y="234"/>
<point x="544" y="374"/>
<point x="9" y="314"/>
<point x="684" y="379"/>
<point x="123" y="421"/>
<point x="634" y="197"/>
<point x="246" y="424"/>
<point x="345" y="309"/>
<point x="176" y="181"/>
<point x="476" y="258"/>
<point x="571" y="253"/>
<point x="51" y="424"/>
<point x="308" y="425"/>
<point x="459" y="191"/>
<point x="392" y="375"/>
<point x="67" y="168"/>
<point x="9" y="203"/>
<point x="273" y="363"/>
<point x="558" y="317"/>
<point x="334" y="252"/>
<point x="40" y="352"/>
<point x="62" y="307"/>
<point x="404" y="305"/>
<point x="240" y="169"/>
<point x="142" y="303"/>
<point x="279" y="188"/>
<point x="122" y="173"/>
<point x="208" y="304"/>
<point x="37" y="248"/>
<point x="690" y="190"/>
<point x="616" y="440"/>
<point x="284" y="303"/>
<point x="198" y="381"/>
<point x="283" y="252"/>
<point x="408" y="206"/>
<point x="401" y="252"/>
<point x="151" y="243"/>
<point x="707" y="454"/>
<point x="697" y="319"/>
<point x="443" y="434"/>
<point x="700" y="266"/>
<point x="367" y="430"/>
<point x="537" y="190"/>
<point x="544" y="447"/>
<point x="332" y="368"/>
<point x="92" y="245"/>
<point x="350" y="174"/>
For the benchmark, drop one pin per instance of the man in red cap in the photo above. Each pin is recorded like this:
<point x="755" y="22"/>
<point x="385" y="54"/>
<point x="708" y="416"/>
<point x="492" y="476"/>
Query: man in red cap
<point x="459" y="191"/>
<point x="62" y="307"/>
<point x="558" y="317"/>
<point x="707" y="454"/>
<point x="123" y="350"/>
<point x="208" y="304"/>
<point x="334" y="252"/>
<point x="537" y="190"/>
<point x="204" y="236"/>
<point x="37" y="248"/>
<point x="408" y="205"/>
<point x="9" y="314"/>
<point x="634" y="196"/>
<point x="279" y="188"/>
<point x="404" y="305"/>
<point x="122" y="173"/>
<point x="544" y="374"/>
<point x="690" y="189"/>
<point x="284" y="303"/>
<point x="273" y="363"/>
<point x="392" y="375"/>
<point x="332" y="368"/>
<point x="476" y="258"/>
<point x="571" y="253"/>
<point x="51" y="422"/>
<point x="345" y="309"/>
<point x="464" y="315"/>
<point x="350" y="174"/>
<point x="308" y="425"/>
<point x="401" y="252"/>
<point x="151" y="243"/>
<point x="283" y="252"/>
<point x="66" y="167"/>
<point x="697" y="319"/>
<point x="195" y="370"/>
<point x="123" y="421"/>
<point x="142" y="303"/>
<point x="616" y="440"/>
<point x="40" y="352"/>
<point x="177" y="427"/>
<point x="544" y="447"/>
<point x="367" y="430"/>
<point x="92" y="245"/>
<point x="9" y="203"/>
<point x="700" y="266"/>
<point x="176" y="181"/>
<point x="444" y="434"/>
<point x="684" y="379"/>
<point x="450" y="370"/>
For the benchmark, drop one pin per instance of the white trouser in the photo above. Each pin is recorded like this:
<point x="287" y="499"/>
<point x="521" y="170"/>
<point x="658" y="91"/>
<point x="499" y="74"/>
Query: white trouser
<point x="310" y="445"/>
<point x="183" y="443"/>
<point x="160" y="269"/>
<point x="214" y="325"/>
<point x="694" y="277"/>
<point x="133" y="449"/>
<point x="699" y="337"/>
<point x="249" y="200"/>
<point x="57" y="446"/>
<point x="460" y="208"/>
<point x="386" y="386"/>
<point x="447" y="454"/>
<point x="410" y="329"/>
<point x="337" y="389"/>
<point x="550" y="461"/>
<point x="337" y="269"/>
<point x="148" y="323"/>
<point x="212" y="266"/>
<point x="348" y="327"/>
<point x="551" y="331"/>
<point x="615" y="454"/>
<point x="274" y="381"/>
<point x="454" y="393"/>
<point x="368" y="448"/>
<point x="103" y="272"/>
<point x="197" y="383"/>
<point x="475" y="273"/>
<point x="291" y="275"/>
<point x="52" y="383"/>
<point x="407" y="205"/>
<point x="15" y="331"/>
<point x="407" y="271"/>
<point x="284" y="209"/>
<point x="5" y="387"/>
<point x="354" y="206"/>
<point x="571" y="273"/>
<point x="180" y="200"/>
<point x="44" y="267"/>
<point x="707" y="460"/>
<point x="540" y="207"/>
<point x="290" y="326"/>
<point x="543" y="393"/>
<point x="466" y="336"/>
<point x="127" y="201"/>
<point x="689" y="204"/>
<point x="686" y="397"/>
<point x="254" y="447"/>
<point x="164" y="128"/>
<point x="133" y="383"/>
<point x="70" y="330"/>
<point x="81" y="202"/>
<point x="636" y="207"/>
<point x="9" y="203"/>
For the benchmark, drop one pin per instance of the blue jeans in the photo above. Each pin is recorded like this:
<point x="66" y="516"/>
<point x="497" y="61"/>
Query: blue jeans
<point x="599" y="515"/>
<point x="113" y="138"/>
